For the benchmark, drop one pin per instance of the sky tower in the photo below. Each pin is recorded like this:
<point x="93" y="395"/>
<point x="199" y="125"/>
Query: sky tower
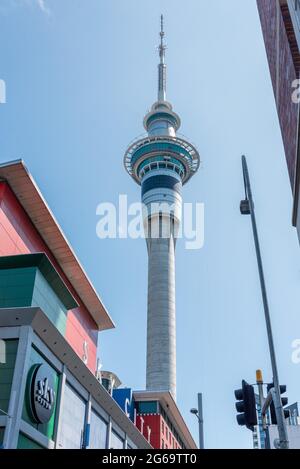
<point x="161" y="163"/>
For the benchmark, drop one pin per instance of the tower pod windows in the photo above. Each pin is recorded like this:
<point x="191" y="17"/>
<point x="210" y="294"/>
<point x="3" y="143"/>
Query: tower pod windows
<point x="162" y="162"/>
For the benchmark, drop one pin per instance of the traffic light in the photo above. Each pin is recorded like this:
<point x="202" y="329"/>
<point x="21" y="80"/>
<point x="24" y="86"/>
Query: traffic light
<point x="246" y="406"/>
<point x="284" y="401"/>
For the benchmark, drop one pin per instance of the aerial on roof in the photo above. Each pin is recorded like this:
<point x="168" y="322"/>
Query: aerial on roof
<point x="26" y="190"/>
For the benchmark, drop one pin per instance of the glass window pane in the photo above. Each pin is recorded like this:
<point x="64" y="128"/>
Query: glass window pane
<point x="147" y="407"/>
<point x="297" y="10"/>
<point x="73" y="415"/>
<point x="116" y="441"/>
<point x="98" y="432"/>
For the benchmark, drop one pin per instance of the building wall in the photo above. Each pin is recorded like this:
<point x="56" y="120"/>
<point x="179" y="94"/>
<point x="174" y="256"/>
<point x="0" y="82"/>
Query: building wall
<point x="283" y="58"/>
<point x="48" y="428"/>
<point x="20" y="287"/>
<point x="152" y="421"/>
<point x="161" y="436"/>
<point x="168" y="439"/>
<point x="18" y="235"/>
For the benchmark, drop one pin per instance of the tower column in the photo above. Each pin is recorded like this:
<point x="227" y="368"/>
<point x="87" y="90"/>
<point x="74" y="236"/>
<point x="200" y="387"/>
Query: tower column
<point x="161" y="316"/>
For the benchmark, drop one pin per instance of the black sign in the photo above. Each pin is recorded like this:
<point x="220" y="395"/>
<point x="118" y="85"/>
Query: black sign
<point x="42" y="394"/>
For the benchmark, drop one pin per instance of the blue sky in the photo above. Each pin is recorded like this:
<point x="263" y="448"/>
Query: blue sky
<point x="80" y="75"/>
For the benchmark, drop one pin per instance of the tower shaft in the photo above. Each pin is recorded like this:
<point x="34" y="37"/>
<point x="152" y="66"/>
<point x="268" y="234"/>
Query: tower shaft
<point x="161" y="319"/>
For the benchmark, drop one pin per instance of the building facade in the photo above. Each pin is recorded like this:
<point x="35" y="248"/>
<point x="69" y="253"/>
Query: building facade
<point x="157" y="417"/>
<point x="280" y="20"/>
<point x="50" y="316"/>
<point x="160" y="421"/>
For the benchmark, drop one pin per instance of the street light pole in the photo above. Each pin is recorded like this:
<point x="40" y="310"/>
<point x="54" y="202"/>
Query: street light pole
<point x="200" y="418"/>
<point x="199" y="414"/>
<point x="247" y="208"/>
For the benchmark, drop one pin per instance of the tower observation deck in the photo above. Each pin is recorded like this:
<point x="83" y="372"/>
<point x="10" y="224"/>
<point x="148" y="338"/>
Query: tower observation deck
<point x="161" y="163"/>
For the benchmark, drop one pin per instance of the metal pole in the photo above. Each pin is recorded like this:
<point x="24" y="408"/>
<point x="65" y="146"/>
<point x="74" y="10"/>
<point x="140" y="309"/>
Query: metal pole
<point x="260" y="382"/>
<point x="200" y="419"/>
<point x="282" y="430"/>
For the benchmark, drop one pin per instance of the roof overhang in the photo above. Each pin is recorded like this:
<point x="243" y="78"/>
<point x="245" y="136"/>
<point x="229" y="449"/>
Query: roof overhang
<point x="26" y="190"/>
<point x="166" y="400"/>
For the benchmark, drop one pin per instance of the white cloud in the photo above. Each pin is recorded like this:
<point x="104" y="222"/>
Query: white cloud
<point x="5" y="5"/>
<point x="42" y="5"/>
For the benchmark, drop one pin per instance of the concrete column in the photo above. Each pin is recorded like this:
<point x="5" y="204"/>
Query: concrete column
<point x="18" y="388"/>
<point x="108" y="435"/>
<point x="60" y="406"/>
<point x="161" y="319"/>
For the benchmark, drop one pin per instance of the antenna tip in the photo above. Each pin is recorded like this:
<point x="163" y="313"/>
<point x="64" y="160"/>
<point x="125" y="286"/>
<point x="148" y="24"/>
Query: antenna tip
<point x="161" y="24"/>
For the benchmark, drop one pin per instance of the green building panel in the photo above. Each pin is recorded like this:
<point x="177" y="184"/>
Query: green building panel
<point x="32" y="280"/>
<point x="46" y="429"/>
<point x="7" y="368"/>
<point x="27" y="443"/>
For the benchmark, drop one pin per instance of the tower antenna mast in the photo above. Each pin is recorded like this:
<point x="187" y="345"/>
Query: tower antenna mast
<point x="162" y="68"/>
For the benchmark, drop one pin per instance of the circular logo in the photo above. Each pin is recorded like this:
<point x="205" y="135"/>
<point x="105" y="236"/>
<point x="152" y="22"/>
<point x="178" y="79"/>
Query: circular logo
<point x="42" y="394"/>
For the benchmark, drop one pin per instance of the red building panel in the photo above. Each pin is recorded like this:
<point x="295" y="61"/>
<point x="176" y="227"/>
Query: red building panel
<point x="18" y="235"/>
<point x="161" y="436"/>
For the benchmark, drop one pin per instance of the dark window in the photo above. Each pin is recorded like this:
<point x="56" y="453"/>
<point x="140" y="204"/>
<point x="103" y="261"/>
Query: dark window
<point x="167" y="182"/>
<point x="148" y="407"/>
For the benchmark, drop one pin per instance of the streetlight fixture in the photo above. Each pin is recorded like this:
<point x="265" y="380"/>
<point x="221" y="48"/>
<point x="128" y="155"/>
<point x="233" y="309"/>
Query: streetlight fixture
<point x="199" y="414"/>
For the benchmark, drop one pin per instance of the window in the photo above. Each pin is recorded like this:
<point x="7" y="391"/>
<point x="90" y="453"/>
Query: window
<point x="2" y="430"/>
<point x="297" y="11"/>
<point x="73" y="415"/>
<point x="116" y="442"/>
<point x="148" y="407"/>
<point x="297" y="6"/>
<point x="98" y="432"/>
<point x="7" y="365"/>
